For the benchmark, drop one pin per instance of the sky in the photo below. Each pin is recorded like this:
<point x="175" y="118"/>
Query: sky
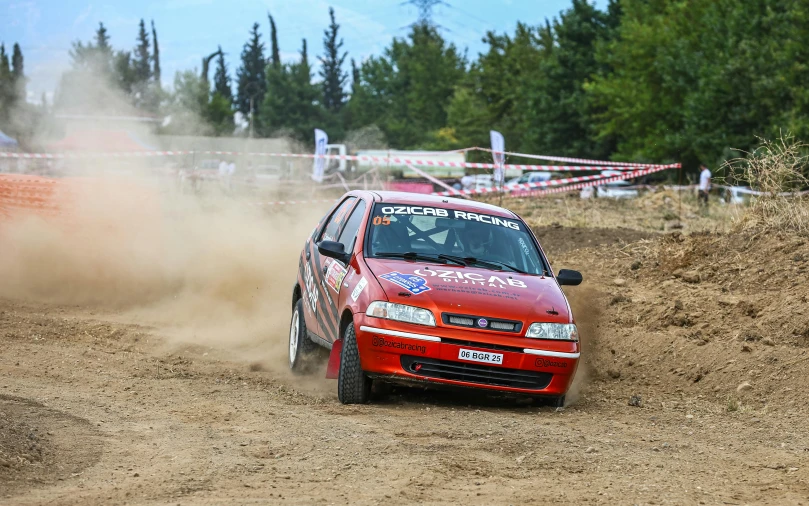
<point x="189" y="29"/>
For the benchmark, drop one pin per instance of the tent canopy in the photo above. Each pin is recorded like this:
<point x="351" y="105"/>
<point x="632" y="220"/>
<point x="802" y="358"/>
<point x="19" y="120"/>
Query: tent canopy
<point x="7" y="142"/>
<point x="99" y="140"/>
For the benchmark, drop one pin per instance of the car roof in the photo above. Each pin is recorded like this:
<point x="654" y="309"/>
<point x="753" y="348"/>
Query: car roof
<point x="420" y="199"/>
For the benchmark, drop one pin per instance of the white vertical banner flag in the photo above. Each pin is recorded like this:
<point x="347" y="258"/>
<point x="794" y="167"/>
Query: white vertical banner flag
<point x="498" y="153"/>
<point x="321" y="139"/>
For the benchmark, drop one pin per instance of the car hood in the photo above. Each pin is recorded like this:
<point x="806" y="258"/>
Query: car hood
<point x="471" y="291"/>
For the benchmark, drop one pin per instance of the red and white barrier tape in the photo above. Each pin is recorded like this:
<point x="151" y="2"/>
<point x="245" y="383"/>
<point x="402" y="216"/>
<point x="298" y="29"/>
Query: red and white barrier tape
<point x="579" y="186"/>
<point x="77" y="156"/>
<point x="573" y="160"/>
<point x="362" y="158"/>
<point x="526" y="186"/>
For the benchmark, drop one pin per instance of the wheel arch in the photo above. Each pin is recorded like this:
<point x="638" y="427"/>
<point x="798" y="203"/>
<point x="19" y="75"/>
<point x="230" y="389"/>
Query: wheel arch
<point x="297" y="294"/>
<point x="346" y="318"/>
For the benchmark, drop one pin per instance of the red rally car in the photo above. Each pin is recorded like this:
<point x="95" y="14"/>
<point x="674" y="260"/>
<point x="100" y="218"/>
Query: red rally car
<point x="417" y="288"/>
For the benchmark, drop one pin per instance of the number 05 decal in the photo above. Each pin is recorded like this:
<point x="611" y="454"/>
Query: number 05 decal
<point x="381" y="220"/>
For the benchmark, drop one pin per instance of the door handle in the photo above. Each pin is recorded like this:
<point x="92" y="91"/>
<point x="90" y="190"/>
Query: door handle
<point x="308" y="253"/>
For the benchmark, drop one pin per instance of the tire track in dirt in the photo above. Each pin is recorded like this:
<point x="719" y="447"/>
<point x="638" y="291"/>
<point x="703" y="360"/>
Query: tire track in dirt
<point x="40" y="446"/>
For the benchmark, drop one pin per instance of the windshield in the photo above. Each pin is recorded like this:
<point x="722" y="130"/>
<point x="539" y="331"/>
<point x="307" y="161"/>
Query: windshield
<point x="447" y="235"/>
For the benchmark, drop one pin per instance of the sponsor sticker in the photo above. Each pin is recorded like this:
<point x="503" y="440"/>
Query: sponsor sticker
<point x="361" y="284"/>
<point x="335" y="275"/>
<point x="549" y="362"/>
<point x="416" y="210"/>
<point x="410" y="282"/>
<point x="311" y="287"/>
<point x="471" y="278"/>
<point x="381" y="342"/>
<point x="524" y="247"/>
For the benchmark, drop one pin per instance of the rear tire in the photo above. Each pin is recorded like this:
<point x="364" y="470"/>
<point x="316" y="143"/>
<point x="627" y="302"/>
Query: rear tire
<point x="353" y="385"/>
<point x="300" y="346"/>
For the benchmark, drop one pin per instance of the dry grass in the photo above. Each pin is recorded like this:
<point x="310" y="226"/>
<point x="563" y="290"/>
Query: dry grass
<point x="777" y="169"/>
<point x="651" y="212"/>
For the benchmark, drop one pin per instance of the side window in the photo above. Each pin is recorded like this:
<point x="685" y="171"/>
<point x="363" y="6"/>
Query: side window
<point x="336" y="220"/>
<point x="352" y="226"/>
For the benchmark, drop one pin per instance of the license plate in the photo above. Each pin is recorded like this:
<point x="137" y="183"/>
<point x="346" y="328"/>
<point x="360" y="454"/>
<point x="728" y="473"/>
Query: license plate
<point x="481" y="356"/>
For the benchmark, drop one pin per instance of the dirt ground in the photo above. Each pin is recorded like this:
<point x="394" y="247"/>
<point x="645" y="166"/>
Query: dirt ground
<point x="693" y="391"/>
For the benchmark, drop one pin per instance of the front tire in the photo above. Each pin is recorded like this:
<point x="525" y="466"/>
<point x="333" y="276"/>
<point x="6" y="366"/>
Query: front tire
<point x="353" y="385"/>
<point x="300" y="346"/>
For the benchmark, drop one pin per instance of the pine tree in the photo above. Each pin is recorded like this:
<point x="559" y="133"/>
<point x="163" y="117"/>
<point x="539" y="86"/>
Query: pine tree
<point x="355" y="76"/>
<point x="334" y="78"/>
<point x="405" y="92"/>
<point x="275" y="53"/>
<point x="293" y="106"/>
<point x="17" y="63"/>
<point x="103" y="40"/>
<point x="142" y="59"/>
<point x="5" y="86"/>
<point x="102" y="52"/>
<point x="155" y="56"/>
<point x="221" y="79"/>
<point x="251" y="82"/>
<point x="17" y="75"/>
<point x="124" y="71"/>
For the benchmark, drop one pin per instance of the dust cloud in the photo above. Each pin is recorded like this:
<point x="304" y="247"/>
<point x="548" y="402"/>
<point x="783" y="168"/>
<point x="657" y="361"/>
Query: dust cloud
<point x="205" y="265"/>
<point x="211" y="270"/>
<point x="586" y="308"/>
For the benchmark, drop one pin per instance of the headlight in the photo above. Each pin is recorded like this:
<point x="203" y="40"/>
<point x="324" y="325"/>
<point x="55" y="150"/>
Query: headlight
<point x="400" y="312"/>
<point x="558" y="331"/>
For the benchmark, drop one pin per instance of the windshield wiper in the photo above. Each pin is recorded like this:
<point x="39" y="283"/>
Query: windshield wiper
<point x="412" y="255"/>
<point x="493" y="264"/>
<point x="453" y="258"/>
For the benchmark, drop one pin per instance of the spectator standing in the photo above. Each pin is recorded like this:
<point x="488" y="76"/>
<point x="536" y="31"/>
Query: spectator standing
<point x="704" y="185"/>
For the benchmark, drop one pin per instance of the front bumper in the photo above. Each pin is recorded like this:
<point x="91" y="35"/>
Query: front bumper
<point x="431" y="355"/>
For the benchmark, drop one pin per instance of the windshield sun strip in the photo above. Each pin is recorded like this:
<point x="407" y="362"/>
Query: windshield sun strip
<point x="544" y="265"/>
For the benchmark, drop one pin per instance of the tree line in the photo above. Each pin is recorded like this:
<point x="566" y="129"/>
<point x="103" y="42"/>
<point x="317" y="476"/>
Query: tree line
<point x="17" y="116"/>
<point x="642" y="80"/>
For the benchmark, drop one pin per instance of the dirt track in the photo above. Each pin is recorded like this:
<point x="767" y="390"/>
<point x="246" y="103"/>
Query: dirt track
<point x="126" y="413"/>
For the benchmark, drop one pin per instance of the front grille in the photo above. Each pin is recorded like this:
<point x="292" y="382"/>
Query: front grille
<point x="481" y="322"/>
<point x="476" y="373"/>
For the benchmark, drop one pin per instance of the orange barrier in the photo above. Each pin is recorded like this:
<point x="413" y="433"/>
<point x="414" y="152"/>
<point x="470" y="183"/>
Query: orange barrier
<point x="75" y="198"/>
<point x="28" y="194"/>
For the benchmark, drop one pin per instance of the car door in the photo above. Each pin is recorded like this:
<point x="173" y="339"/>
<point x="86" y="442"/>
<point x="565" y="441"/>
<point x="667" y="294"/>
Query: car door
<point x="320" y="304"/>
<point x="350" y="238"/>
<point x="334" y="272"/>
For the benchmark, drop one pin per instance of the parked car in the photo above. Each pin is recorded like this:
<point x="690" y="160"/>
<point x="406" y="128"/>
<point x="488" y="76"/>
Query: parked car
<point x="477" y="182"/>
<point x="612" y="190"/>
<point x="531" y="177"/>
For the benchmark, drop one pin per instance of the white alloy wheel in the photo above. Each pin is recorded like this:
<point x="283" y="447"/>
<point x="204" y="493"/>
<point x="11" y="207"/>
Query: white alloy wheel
<point x="294" y="337"/>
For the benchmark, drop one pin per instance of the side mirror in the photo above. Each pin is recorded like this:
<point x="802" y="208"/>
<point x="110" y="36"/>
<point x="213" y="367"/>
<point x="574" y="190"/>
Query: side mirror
<point x="568" y="277"/>
<point x="334" y="250"/>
